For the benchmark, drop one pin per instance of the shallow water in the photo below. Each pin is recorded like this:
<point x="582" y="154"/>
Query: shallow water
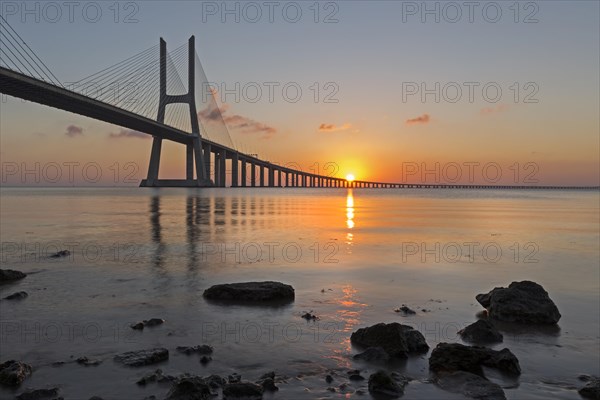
<point x="352" y="256"/>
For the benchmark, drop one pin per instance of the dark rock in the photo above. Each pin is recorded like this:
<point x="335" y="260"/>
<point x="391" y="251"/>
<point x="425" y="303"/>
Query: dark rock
<point x="356" y="377"/>
<point x="215" y="381"/>
<point x="95" y="398"/>
<point x="17" y="296"/>
<point x="591" y="390"/>
<point x="154" y="322"/>
<point x="10" y="275"/>
<point x="372" y="354"/>
<point x="156" y="376"/>
<point x="38" y="394"/>
<point x="383" y="386"/>
<point x="189" y="388"/>
<point x="13" y="373"/>
<point x="200" y="349"/>
<point x="87" y="362"/>
<point x="242" y="390"/>
<point x="328" y="378"/>
<point x="205" y="360"/>
<point x="234" y="378"/>
<point x="452" y="357"/>
<point x="310" y="317"/>
<point x="138" y="326"/>
<point x="61" y="253"/>
<point x="251" y="292"/>
<point x="405" y="310"/>
<point x="523" y="302"/>
<point x="143" y="357"/>
<point x="268" y="385"/>
<point x="482" y="331"/>
<point x="470" y="385"/>
<point x="395" y="339"/>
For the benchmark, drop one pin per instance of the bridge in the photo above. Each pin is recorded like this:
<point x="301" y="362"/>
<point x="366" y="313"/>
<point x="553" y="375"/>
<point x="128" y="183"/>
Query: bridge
<point x="24" y="75"/>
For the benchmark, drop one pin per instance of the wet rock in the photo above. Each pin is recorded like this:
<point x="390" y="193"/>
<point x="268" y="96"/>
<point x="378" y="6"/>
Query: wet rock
<point x="251" y="292"/>
<point x="156" y="376"/>
<point x="310" y="317"/>
<point x="373" y="354"/>
<point x="143" y="357"/>
<point x="395" y="339"/>
<point x="328" y="378"/>
<point x="10" y="275"/>
<point x="234" y="378"/>
<point x="452" y="357"/>
<point x="13" y="373"/>
<point x="404" y="310"/>
<point x="356" y="377"/>
<point x="200" y="349"/>
<point x="60" y="254"/>
<point x="470" y="385"/>
<point x="482" y="331"/>
<point x="137" y="326"/>
<point x="383" y="386"/>
<point x="242" y="390"/>
<point x="189" y="388"/>
<point x="268" y="385"/>
<point x="87" y="362"/>
<point x="17" y="296"/>
<point x="154" y="322"/>
<point x="591" y="390"/>
<point x="205" y="360"/>
<point x="38" y="394"/>
<point x="95" y="398"/>
<point x="522" y="302"/>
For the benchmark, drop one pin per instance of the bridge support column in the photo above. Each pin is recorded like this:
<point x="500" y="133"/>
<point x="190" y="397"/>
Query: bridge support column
<point x="252" y="174"/>
<point x="234" y="170"/>
<point x="223" y="167"/>
<point x="154" y="161"/>
<point x="262" y="175"/>
<point x="243" y="166"/>
<point x="217" y="168"/>
<point x="271" y="176"/>
<point x="207" y="169"/>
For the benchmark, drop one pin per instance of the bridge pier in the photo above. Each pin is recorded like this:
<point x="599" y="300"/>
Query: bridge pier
<point x="234" y="170"/>
<point x="262" y="175"/>
<point x="243" y="168"/>
<point x="253" y="174"/>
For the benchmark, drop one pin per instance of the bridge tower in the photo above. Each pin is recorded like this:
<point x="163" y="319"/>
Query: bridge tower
<point x="194" y="148"/>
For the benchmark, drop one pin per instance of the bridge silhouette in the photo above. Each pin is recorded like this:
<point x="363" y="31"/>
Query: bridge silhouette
<point x="150" y="78"/>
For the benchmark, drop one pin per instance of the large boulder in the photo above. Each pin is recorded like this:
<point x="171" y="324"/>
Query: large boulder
<point x="13" y="373"/>
<point x="482" y="331"/>
<point x="384" y="386"/>
<point x="452" y="357"/>
<point x="591" y="390"/>
<point x="395" y="339"/>
<point x="242" y="390"/>
<point x="245" y="292"/>
<point x="38" y="394"/>
<point x="190" y="388"/>
<point x="143" y="357"/>
<point x="470" y="385"/>
<point x="372" y="354"/>
<point x="522" y="302"/>
<point x="10" y="275"/>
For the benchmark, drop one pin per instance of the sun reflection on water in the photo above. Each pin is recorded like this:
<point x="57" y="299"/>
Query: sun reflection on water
<point x="349" y="215"/>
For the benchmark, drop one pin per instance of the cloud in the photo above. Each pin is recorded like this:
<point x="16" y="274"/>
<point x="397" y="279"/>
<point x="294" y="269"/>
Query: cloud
<point x="423" y="119"/>
<point x="493" y="110"/>
<point x="128" y="133"/>
<point x="334" y="128"/>
<point x="244" y="125"/>
<point x="73" y="131"/>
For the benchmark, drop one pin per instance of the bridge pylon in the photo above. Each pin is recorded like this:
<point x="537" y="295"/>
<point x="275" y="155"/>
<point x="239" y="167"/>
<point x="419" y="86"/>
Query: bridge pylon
<point x="194" y="154"/>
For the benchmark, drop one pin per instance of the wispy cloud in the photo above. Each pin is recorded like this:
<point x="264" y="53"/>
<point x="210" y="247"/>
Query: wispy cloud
<point x="74" y="131"/>
<point x="244" y="125"/>
<point x="493" y="110"/>
<point x="423" y="119"/>
<point x="128" y="133"/>
<point x="334" y="128"/>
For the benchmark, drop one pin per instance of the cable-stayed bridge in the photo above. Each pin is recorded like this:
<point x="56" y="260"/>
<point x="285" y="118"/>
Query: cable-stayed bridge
<point x="145" y="93"/>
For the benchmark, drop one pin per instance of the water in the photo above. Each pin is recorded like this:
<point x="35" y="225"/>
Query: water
<point x="352" y="256"/>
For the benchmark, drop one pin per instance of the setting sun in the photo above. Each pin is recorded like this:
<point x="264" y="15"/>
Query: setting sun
<point x="350" y="177"/>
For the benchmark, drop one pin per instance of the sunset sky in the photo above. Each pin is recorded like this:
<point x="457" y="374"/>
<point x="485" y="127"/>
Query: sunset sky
<point x="367" y="61"/>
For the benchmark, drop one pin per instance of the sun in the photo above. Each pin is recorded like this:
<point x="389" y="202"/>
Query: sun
<point x="350" y="177"/>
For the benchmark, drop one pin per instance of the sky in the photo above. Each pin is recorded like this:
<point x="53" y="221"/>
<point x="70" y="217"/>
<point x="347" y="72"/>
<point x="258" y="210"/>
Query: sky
<point x="394" y="91"/>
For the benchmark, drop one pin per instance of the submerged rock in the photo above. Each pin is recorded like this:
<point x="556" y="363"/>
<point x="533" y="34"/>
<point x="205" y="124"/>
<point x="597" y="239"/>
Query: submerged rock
<point x="522" y="302"/>
<point x="310" y="317"/>
<point x="372" y="354"/>
<point x="384" y="386"/>
<point x="137" y="326"/>
<point x="87" y="362"/>
<point x="404" y="310"/>
<point x="143" y="357"/>
<point x="200" y="349"/>
<point x="10" y="275"/>
<point x="470" y="385"/>
<point x="452" y="357"/>
<point x="189" y="388"/>
<point x="154" y="322"/>
<point x="251" y="292"/>
<point x="13" y="373"/>
<point x="38" y="394"/>
<point x="242" y="390"/>
<point x="395" y="339"/>
<point x="61" y="253"/>
<point x="482" y="331"/>
<point x="591" y="390"/>
<point x="205" y="360"/>
<point x="17" y="296"/>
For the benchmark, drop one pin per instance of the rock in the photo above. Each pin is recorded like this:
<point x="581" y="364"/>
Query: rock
<point x="268" y="385"/>
<point x="242" y="390"/>
<point x="591" y="390"/>
<point x="95" y="398"/>
<point x="215" y="381"/>
<point x="61" y="253"/>
<point x="156" y="376"/>
<point x="482" y="331"/>
<point x="138" y="326"/>
<point x="13" y="373"/>
<point x="10" y="275"/>
<point x="452" y="357"/>
<point x="17" y="296"/>
<point x="251" y="292"/>
<point x="234" y="378"/>
<point x="154" y="322"/>
<point x="205" y="360"/>
<point x="328" y="378"/>
<point x="405" y="310"/>
<point x="395" y="339"/>
<point x="189" y="388"/>
<point x="87" y="362"/>
<point x="383" y="386"/>
<point x="356" y="377"/>
<point x="200" y="349"/>
<point x="310" y="317"/>
<point x="38" y="394"/>
<point x="470" y="385"/>
<point x="522" y="302"/>
<point x="143" y="357"/>
<point x="372" y="354"/>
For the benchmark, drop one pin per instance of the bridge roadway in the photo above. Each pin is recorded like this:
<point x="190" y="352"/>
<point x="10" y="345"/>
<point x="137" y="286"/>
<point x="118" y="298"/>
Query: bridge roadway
<point x="269" y="175"/>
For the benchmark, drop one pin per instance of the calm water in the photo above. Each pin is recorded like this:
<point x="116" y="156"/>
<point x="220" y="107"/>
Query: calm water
<point x="353" y="257"/>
